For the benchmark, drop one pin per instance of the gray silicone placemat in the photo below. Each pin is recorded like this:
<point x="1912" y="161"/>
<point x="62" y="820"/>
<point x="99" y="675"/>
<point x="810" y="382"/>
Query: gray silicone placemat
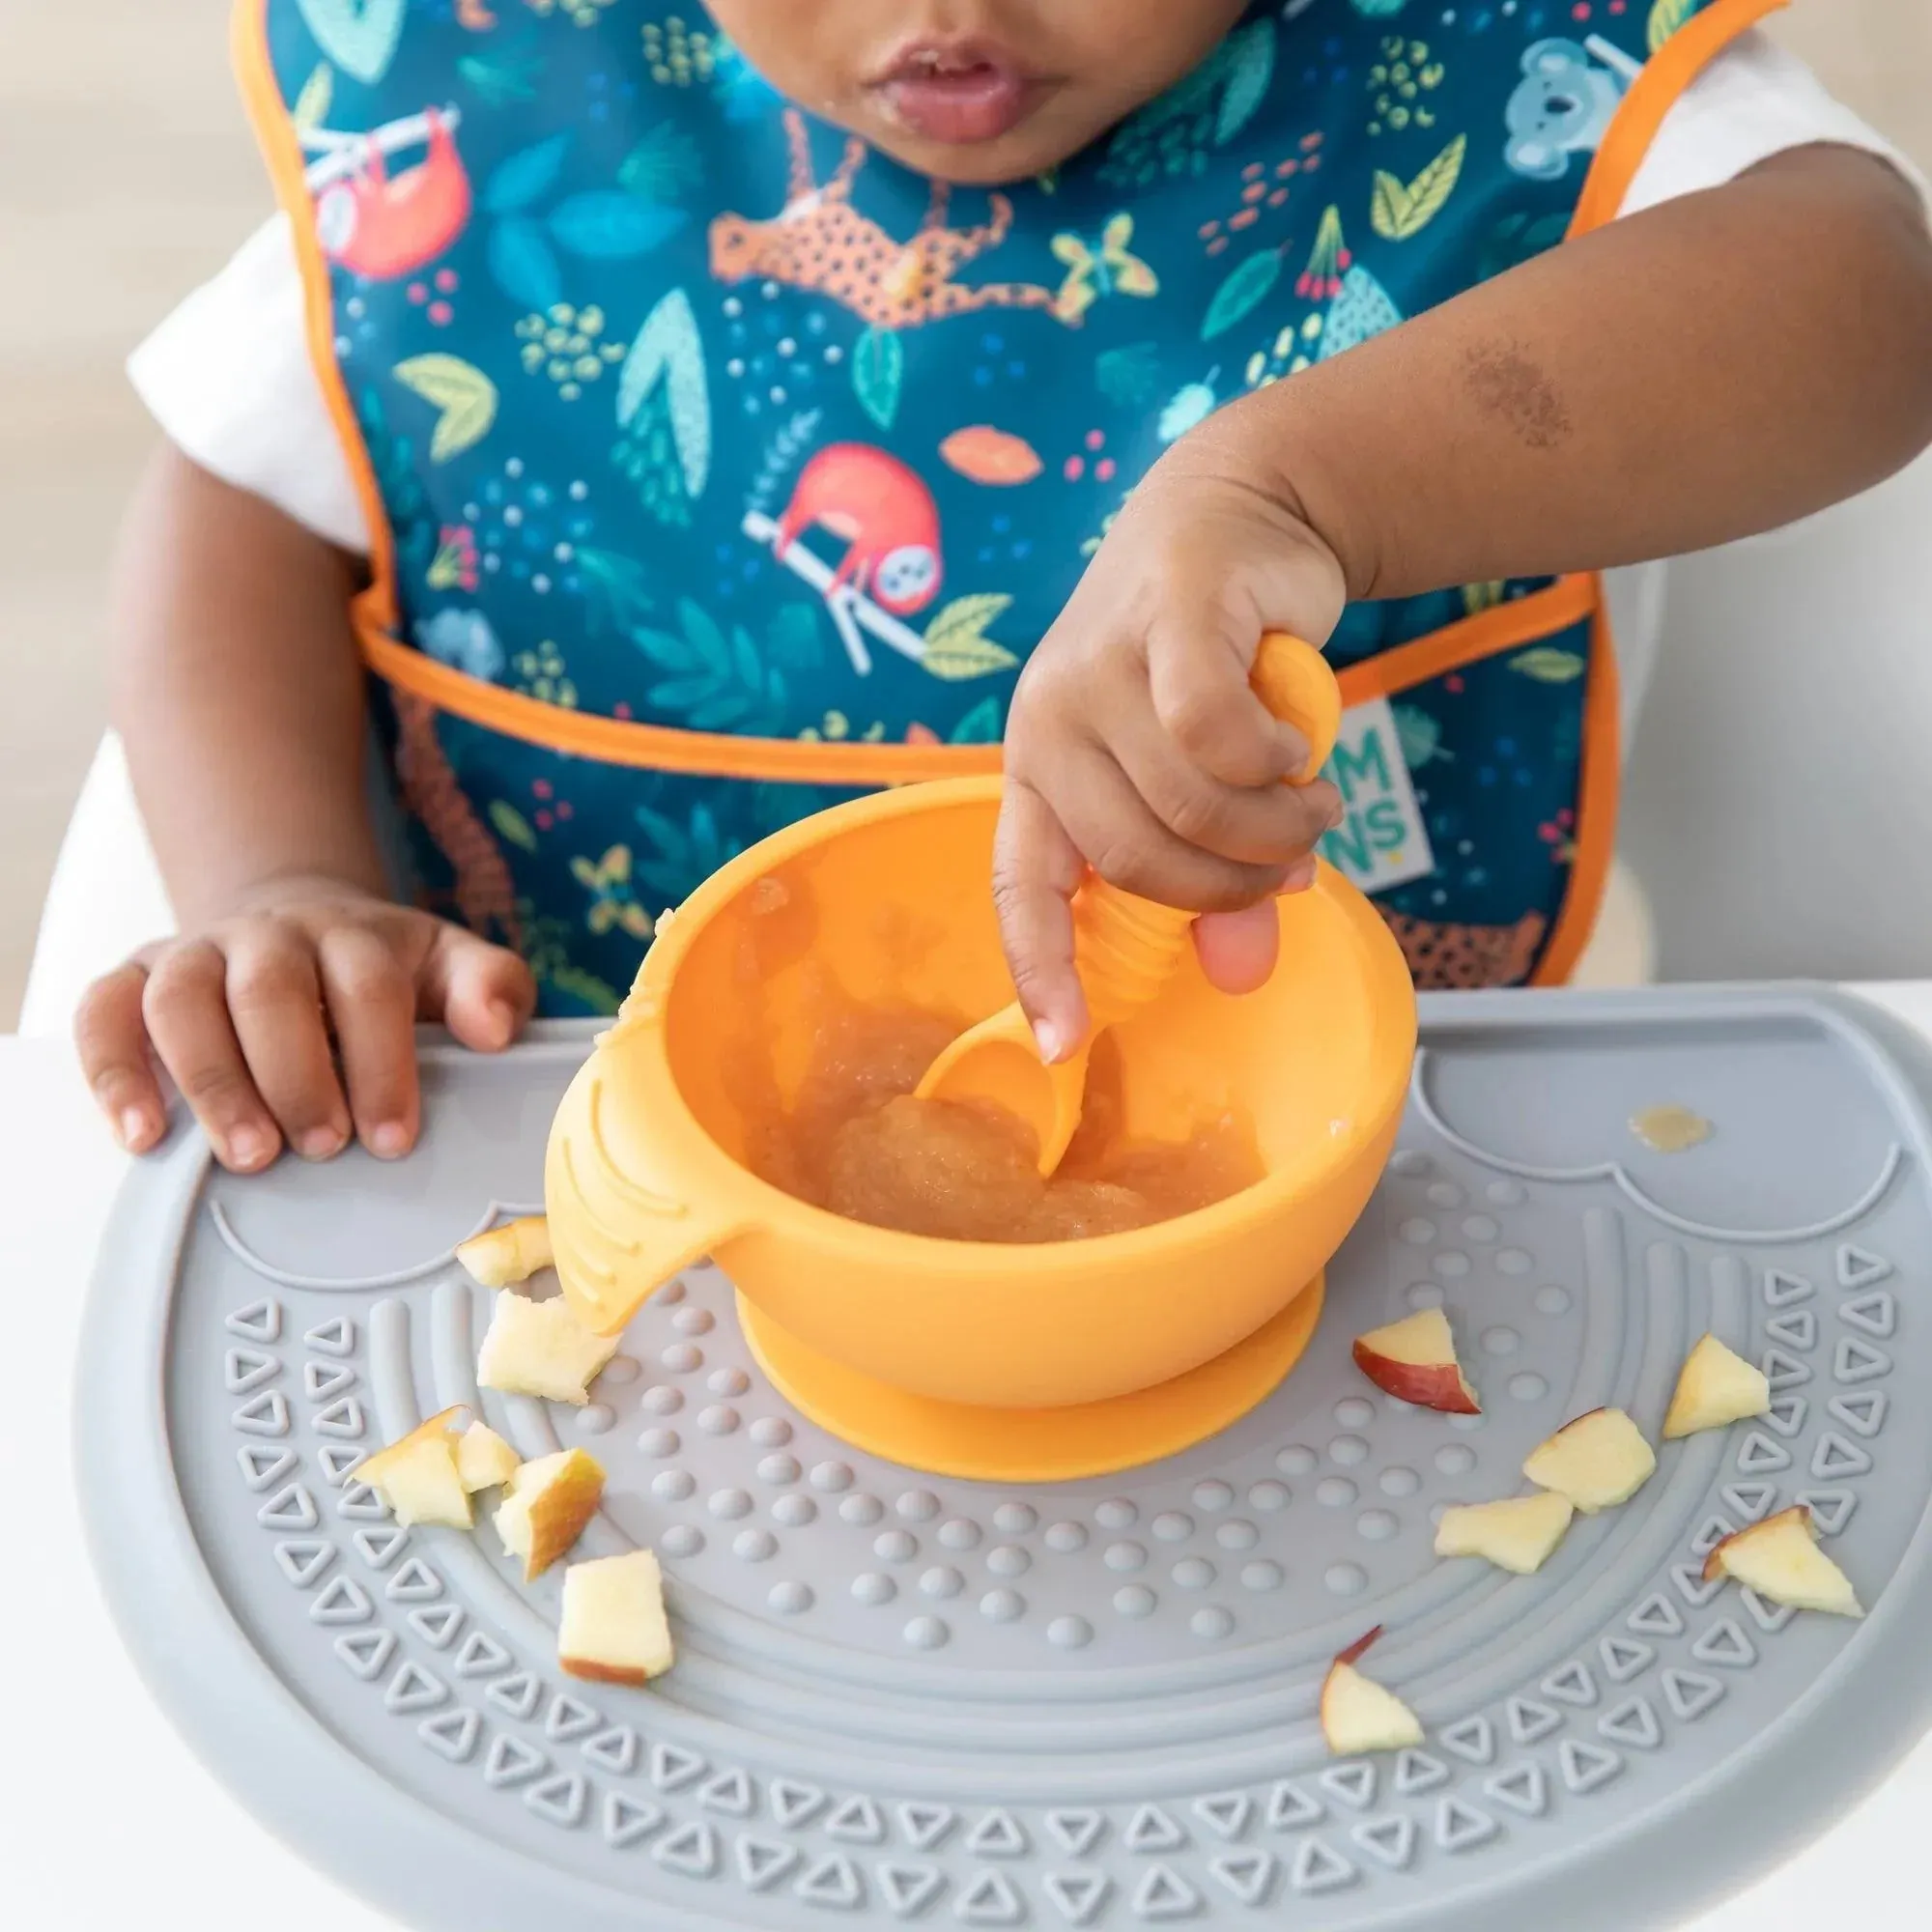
<point x="910" y="1699"/>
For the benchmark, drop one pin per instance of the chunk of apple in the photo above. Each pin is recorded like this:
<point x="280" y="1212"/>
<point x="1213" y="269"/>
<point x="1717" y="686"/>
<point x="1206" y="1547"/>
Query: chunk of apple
<point x="484" y="1461"/>
<point x="1715" y="1387"/>
<point x="416" y="1474"/>
<point x="613" y="1629"/>
<point x="1357" y="1714"/>
<point x="1414" y="1360"/>
<point x="1519" y="1534"/>
<point x="1597" y="1461"/>
<point x="1780" y="1558"/>
<point x="501" y="1257"/>
<point x="540" y="1348"/>
<point x="546" y="1505"/>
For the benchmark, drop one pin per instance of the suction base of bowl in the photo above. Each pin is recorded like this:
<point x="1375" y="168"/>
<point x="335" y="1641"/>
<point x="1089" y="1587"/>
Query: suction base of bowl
<point x="1034" y="1445"/>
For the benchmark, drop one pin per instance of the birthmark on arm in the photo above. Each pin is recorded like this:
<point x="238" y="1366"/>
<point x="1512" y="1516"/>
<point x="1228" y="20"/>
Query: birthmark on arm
<point x="1508" y="385"/>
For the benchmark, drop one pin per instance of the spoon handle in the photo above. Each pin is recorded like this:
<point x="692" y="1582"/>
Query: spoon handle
<point x="1126" y="948"/>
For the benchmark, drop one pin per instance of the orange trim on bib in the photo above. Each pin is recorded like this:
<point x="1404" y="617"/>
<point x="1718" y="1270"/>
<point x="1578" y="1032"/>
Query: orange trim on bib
<point x="1652" y="94"/>
<point x="664" y="748"/>
<point x="1568" y="601"/>
<point x="1597" y="791"/>
<point x="374" y="609"/>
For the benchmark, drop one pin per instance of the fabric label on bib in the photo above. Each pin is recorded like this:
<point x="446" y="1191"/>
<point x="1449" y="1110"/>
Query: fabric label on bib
<point x="1382" y="843"/>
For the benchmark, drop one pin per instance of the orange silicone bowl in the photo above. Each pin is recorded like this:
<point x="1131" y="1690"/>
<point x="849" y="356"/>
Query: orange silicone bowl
<point x="885" y="1336"/>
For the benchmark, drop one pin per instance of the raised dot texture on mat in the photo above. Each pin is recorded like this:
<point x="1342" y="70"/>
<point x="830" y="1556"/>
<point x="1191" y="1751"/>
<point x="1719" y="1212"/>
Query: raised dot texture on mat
<point x="862" y="1509"/>
<point x="959" y="1533"/>
<point x="896" y="1545"/>
<point x="872" y="1587"/>
<point x="833" y="1478"/>
<point x="596" y="1418"/>
<point x="1527" y="1388"/>
<point x="1116" y="1513"/>
<point x="1070" y="1633"/>
<point x="755" y="1546"/>
<point x="926" y="1633"/>
<point x="1553" y="1301"/>
<point x="1417" y="1232"/>
<point x="1335" y="1491"/>
<point x="1353" y="1412"/>
<point x="727" y="1505"/>
<point x="770" y="1432"/>
<point x="1398" y="1481"/>
<point x="1346" y="1579"/>
<point x="1425" y="1295"/>
<point x="794" y="1512"/>
<point x="1261" y="1574"/>
<point x="673" y="1486"/>
<point x="1135" y="1601"/>
<point x="661" y="1400"/>
<point x="1348" y="1451"/>
<point x="728" y="1382"/>
<point x="1451" y="1263"/>
<point x="1065" y="1537"/>
<point x="1173" y="1526"/>
<point x="681" y="1359"/>
<point x="1237" y="1533"/>
<point x="918" y="1506"/>
<point x="1211" y="1624"/>
<point x="682" y="1540"/>
<point x="1296" y="1460"/>
<point x="942" y="1581"/>
<point x="1270" y="1496"/>
<point x="1124" y="1556"/>
<point x="790" y="1599"/>
<point x="720" y="1419"/>
<point x="777" y="1469"/>
<point x="658" y="1443"/>
<point x="1376" y="1525"/>
<point x="1410" y="1162"/>
<point x="1193" y="1573"/>
<point x="1001" y="1606"/>
<point x="1009" y="1559"/>
<point x="1015" y="1518"/>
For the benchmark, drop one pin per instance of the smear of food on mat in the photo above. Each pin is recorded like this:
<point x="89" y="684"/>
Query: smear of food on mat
<point x="1597" y="1461"/>
<point x="1669" y="1129"/>
<point x="1357" y="1714"/>
<point x="1780" y="1558"/>
<point x="855" y="1141"/>
<point x="1716" y="1388"/>
<point x="1414" y="1360"/>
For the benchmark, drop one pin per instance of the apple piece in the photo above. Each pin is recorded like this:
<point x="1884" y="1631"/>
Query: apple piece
<point x="1357" y="1714"/>
<point x="1414" y="1360"/>
<point x="613" y="1629"/>
<point x="1780" y="1558"/>
<point x="540" y="1348"/>
<point x="1519" y="1534"/>
<point x="546" y="1505"/>
<point x="1715" y="1387"/>
<point x="1597" y="1461"/>
<point x="484" y="1461"/>
<point x="416" y="1474"/>
<point x="501" y="1257"/>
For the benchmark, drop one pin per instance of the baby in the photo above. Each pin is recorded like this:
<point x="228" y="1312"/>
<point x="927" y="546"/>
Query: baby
<point x="660" y="425"/>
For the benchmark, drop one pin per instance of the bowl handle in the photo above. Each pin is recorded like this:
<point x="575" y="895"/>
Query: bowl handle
<point x="617" y="1236"/>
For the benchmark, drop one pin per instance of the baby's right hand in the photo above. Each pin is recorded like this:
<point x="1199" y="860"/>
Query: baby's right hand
<point x="241" y="1015"/>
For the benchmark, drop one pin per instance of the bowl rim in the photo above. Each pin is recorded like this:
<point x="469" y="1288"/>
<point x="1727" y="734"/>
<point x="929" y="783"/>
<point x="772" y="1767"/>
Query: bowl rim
<point x="1393" y="1023"/>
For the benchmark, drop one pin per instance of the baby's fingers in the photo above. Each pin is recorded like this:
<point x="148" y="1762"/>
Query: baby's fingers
<point x="1036" y="870"/>
<point x="372" y="1001"/>
<point x="113" y="1042"/>
<point x="185" y="1005"/>
<point x="482" y="993"/>
<point x="274" y="1000"/>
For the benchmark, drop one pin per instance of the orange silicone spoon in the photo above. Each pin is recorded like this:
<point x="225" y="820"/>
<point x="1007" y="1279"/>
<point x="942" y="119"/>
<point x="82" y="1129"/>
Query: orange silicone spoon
<point x="1126" y="948"/>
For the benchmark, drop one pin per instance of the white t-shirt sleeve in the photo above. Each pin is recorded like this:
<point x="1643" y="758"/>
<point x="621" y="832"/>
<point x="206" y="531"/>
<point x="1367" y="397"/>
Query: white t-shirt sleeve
<point x="228" y="376"/>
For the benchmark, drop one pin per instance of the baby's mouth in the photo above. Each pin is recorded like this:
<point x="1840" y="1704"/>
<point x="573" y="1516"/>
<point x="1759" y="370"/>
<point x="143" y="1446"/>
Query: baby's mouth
<point x="957" y="93"/>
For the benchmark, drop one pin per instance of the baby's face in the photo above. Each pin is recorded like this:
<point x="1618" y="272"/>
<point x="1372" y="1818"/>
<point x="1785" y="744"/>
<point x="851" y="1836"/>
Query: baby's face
<point x="974" y="90"/>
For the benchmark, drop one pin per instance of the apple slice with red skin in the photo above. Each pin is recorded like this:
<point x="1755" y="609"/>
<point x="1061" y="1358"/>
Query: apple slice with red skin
<point x="1357" y="1714"/>
<point x="1780" y="1558"/>
<point x="1414" y="1360"/>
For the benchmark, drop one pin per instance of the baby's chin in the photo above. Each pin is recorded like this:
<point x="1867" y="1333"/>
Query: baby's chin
<point x="1045" y="133"/>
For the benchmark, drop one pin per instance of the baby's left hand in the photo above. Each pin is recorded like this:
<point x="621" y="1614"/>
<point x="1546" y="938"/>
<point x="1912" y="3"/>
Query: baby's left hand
<point x="1135" y="746"/>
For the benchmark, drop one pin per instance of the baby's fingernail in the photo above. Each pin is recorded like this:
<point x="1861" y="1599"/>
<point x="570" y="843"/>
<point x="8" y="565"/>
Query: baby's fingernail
<point x="136" y="1129"/>
<point x="249" y="1147"/>
<point x="1051" y="1039"/>
<point x="389" y="1140"/>
<point x="321" y="1143"/>
<point x="502" y="1023"/>
<point x="1299" y="877"/>
<point x="1337" y="813"/>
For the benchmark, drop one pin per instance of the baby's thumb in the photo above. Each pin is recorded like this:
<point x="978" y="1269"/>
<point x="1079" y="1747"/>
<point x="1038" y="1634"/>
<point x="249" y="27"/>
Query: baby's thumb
<point x="482" y="993"/>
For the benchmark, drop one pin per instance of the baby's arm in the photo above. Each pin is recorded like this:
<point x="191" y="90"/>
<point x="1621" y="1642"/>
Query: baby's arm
<point x="1713" y="367"/>
<point x="239" y="692"/>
